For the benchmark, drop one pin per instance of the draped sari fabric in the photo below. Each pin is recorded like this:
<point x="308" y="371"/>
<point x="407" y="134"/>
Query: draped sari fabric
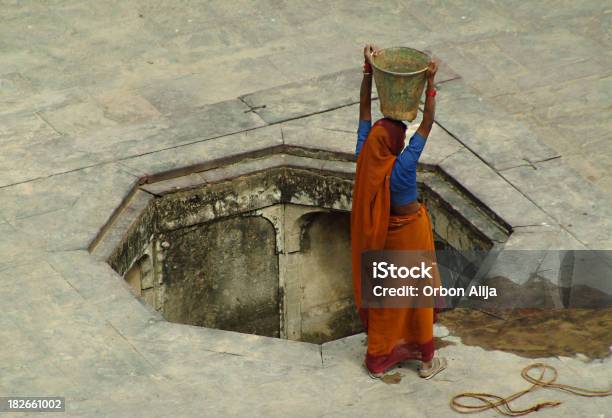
<point x="394" y="334"/>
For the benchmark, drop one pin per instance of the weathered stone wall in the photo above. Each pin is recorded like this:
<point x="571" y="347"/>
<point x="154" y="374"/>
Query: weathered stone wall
<point x="223" y="274"/>
<point x="327" y="307"/>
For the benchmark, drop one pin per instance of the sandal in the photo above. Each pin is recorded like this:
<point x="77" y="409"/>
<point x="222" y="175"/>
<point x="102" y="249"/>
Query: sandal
<point x="375" y="375"/>
<point x="439" y="364"/>
<point x="378" y="375"/>
<point x="372" y="374"/>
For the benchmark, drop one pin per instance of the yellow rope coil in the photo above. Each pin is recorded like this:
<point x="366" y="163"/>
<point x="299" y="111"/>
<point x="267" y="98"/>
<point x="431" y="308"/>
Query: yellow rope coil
<point x="502" y="405"/>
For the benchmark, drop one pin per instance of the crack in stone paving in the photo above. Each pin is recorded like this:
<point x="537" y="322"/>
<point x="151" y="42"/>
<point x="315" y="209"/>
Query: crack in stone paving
<point x="321" y="354"/>
<point x="46" y="122"/>
<point x="152" y="365"/>
<point x="448" y="156"/>
<point x="530" y="163"/>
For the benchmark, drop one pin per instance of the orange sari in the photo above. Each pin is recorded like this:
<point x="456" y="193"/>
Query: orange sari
<point x="394" y="334"/>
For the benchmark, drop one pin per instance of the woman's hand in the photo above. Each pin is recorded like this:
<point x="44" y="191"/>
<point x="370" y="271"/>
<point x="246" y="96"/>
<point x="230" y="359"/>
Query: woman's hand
<point x="370" y="50"/>
<point x="432" y="69"/>
<point x="429" y="110"/>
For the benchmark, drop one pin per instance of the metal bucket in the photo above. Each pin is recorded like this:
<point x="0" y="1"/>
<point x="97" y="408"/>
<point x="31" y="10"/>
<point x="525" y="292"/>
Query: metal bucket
<point x="400" y="74"/>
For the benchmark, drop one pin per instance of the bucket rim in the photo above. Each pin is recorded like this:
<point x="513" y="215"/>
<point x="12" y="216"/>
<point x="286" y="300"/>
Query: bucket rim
<point x="395" y="72"/>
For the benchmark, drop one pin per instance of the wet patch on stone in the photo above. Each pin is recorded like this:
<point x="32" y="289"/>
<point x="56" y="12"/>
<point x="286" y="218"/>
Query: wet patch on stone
<point x="441" y="343"/>
<point x="392" y="378"/>
<point x="534" y="333"/>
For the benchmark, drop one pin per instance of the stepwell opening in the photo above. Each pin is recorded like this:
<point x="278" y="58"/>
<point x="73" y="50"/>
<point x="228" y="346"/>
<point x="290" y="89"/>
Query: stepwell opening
<point x="268" y="252"/>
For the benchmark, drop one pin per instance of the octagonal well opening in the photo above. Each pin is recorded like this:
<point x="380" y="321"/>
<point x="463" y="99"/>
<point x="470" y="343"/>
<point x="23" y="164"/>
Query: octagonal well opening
<point x="268" y="252"/>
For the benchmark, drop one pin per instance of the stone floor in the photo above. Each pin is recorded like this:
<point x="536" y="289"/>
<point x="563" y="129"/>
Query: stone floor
<point x="75" y="73"/>
<point x="96" y="95"/>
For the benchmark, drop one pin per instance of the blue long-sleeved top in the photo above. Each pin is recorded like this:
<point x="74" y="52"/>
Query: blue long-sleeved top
<point x="403" y="175"/>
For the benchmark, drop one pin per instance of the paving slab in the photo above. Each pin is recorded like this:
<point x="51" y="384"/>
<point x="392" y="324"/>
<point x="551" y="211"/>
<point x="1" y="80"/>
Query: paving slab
<point x="161" y="133"/>
<point x="299" y="134"/>
<point x="21" y="348"/>
<point x="317" y="95"/>
<point x="179" y="95"/>
<point x="550" y="10"/>
<point x="497" y="137"/>
<point x="36" y="377"/>
<point x="27" y="141"/>
<point x="18" y="293"/>
<point x="107" y="295"/>
<point x="66" y="211"/>
<point x="207" y="151"/>
<point x="252" y="346"/>
<point x="587" y="95"/>
<point x="14" y="86"/>
<point x="469" y="21"/>
<point x="95" y="281"/>
<point x="35" y="101"/>
<point x="17" y="247"/>
<point x="59" y="155"/>
<point x="575" y="204"/>
<point x="556" y="46"/>
<point x="595" y="168"/>
<point x="344" y="119"/>
<point x="494" y="75"/>
<point x="77" y="119"/>
<point x="555" y="74"/>
<point x="543" y="237"/>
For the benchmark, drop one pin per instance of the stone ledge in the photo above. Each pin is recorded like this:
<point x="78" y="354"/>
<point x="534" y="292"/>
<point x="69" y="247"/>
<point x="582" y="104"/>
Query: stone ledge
<point x="249" y="164"/>
<point x="234" y="343"/>
<point x="492" y="190"/>
<point x="197" y="156"/>
<point x="274" y="157"/>
<point x="121" y="221"/>
<point x="464" y="207"/>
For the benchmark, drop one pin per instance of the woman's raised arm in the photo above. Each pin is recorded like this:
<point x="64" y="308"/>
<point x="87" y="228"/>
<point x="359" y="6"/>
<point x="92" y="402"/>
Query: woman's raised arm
<point x="365" y="94"/>
<point x="429" y="111"/>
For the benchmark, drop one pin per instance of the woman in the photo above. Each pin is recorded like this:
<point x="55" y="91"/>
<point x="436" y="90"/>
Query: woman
<point x="387" y="215"/>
